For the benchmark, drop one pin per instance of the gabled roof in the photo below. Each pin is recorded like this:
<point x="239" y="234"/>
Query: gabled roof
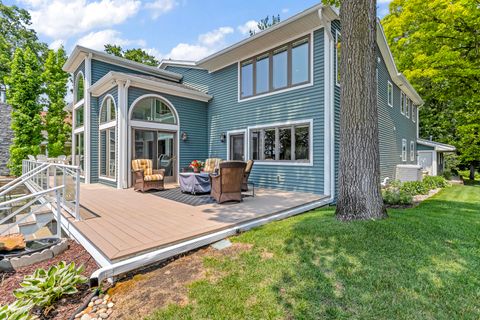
<point x="79" y="53"/>
<point x="437" y="145"/>
<point x="284" y="31"/>
<point x="147" y="82"/>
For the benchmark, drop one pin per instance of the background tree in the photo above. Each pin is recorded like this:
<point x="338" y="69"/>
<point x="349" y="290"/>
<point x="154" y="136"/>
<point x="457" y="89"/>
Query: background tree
<point x="359" y="194"/>
<point x="265" y="23"/>
<point x="24" y="82"/>
<point x="138" y="55"/>
<point x="436" y="44"/>
<point x="55" y="81"/>
<point x="15" y="33"/>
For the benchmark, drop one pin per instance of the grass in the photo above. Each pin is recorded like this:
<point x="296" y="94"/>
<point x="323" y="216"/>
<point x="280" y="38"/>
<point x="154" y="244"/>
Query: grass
<point x="421" y="263"/>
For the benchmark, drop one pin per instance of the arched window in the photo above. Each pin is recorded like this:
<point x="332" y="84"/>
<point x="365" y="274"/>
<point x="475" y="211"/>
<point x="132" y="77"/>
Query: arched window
<point x="107" y="110"/>
<point x="79" y="88"/>
<point x="154" y="110"/>
<point x="108" y="139"/>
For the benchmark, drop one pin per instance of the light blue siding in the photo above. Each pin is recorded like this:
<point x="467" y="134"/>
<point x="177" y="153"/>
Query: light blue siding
<point x="101" y="68"/>
<point x="225" y="113"/>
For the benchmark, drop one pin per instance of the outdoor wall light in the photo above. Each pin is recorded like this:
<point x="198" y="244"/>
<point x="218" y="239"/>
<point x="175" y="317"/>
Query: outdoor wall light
<point x="223" y="137"/>
<point x="184" y="136"/>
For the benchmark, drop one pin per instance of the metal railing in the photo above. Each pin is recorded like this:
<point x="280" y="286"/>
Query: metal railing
<point x="48" y="175"/>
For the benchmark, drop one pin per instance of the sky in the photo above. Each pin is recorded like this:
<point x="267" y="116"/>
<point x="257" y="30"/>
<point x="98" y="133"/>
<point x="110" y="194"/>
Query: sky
<point x="176" y="29"/>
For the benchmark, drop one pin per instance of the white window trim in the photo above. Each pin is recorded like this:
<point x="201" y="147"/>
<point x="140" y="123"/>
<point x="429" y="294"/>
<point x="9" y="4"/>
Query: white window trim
<point x="404" y="153"/>
<point x="245" y="137"/>
<point x="79" y="130"/>
<point x="412" y="150"/>
<point x="266" y="94"/>
<point x="308" y="163"/>
<point x="75" y="87"/>
<point x="100" y="176"/>
<point x="407" y="107"/>
<point x="389" y="85"/>
<point x="337" y="33"/>
<point x="79" y="104"/>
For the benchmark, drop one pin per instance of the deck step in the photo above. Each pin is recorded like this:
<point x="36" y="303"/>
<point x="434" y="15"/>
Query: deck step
<point x="40" y="209"/>
<point x="11" y="231"/>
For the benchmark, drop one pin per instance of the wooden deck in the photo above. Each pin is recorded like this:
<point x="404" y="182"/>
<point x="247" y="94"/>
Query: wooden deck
<point x="125" y="223"/>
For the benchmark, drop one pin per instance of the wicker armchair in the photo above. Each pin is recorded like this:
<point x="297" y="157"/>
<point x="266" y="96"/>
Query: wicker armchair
<point x="227" y="185"/>
<point x="248" y="169"/>
<point x="144" y="177"/>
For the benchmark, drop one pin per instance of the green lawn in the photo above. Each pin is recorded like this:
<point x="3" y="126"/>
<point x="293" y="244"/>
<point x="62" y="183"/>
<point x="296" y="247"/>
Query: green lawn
<point x="421" y="263"/>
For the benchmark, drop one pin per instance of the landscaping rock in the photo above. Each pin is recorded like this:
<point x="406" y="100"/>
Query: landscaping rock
<point x="86" y="317"/>
<point x="103" y="315"/>
<point x="12" y="242"/>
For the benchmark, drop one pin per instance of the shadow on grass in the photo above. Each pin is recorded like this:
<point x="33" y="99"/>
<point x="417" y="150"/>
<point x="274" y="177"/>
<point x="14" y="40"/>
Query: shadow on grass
<point x="420" y="263"/>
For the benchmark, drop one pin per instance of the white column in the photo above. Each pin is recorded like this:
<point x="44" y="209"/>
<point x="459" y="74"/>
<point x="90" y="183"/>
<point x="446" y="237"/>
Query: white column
<point x="122" y="135"/>
<point x="329" y="114"/>
<point x="87" y="115"/>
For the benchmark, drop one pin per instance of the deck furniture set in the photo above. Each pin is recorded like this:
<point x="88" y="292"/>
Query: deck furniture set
<point x="224" y="180"/>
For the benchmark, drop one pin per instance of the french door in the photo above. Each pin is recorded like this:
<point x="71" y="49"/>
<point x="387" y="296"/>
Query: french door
<point x="237" y="147"/>
<point x="158" y="146"/>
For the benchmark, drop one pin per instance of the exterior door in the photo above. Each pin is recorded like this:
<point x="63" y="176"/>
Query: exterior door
<point x="425" y="159"/>
<point x="237" y="147"/>
<point x="158" y="146"/>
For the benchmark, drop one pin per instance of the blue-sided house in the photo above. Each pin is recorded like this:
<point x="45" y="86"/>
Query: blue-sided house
<point x="273" y="98"/>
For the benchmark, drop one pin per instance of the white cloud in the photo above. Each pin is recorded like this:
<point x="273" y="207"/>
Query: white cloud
<point x="247" y="26"/>
<point x="60" y="19"/>
<point x="206" y="44"/>
<point x="158" y="7"/>
<point x="97" y="40"/>
<point x="55" y="45"/>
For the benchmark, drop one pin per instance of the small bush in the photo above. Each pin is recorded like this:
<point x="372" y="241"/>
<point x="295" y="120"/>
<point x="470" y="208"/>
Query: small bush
<point x="414" y="188"/>
<point x="395" y="196"/>
<point x="44" y="287"/>
<point x="434" y="182"/>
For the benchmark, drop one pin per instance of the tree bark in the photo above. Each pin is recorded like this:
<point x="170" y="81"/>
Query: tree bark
<point x="472" y="171"/>
<point x="359" y="194"/>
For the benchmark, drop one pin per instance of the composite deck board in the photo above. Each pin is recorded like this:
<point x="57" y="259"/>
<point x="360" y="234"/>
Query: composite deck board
<point x="130" y="223"/>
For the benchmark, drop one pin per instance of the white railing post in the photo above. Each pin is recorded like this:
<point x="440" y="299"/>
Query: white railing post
<point x="58" y="213"/>
<point x="77" y="194"/>
<point x="64" y="186"/>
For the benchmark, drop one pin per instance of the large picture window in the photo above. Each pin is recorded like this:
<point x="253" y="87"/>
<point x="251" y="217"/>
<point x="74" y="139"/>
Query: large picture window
<point x="281" y="143"/>
<point x="283" y="67"/>
<point x="154" y="110"/>
<point x="108" y="139"/>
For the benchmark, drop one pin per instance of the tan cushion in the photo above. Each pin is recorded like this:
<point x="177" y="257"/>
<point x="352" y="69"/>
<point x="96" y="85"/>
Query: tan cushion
<point x="211" y="165"/>
<point x="153" y="177"/>
<point x="143" y="164"/>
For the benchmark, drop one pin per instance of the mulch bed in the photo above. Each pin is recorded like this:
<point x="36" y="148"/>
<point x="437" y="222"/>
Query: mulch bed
<point x="10" y="281"/>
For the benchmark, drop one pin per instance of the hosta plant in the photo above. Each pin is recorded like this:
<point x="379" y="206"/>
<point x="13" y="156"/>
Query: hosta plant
<point x="18" y="310"/>
<point x="44" y="287"/>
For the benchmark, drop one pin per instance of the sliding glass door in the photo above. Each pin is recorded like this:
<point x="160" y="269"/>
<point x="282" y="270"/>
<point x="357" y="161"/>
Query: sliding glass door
<point x="158" y="146"/>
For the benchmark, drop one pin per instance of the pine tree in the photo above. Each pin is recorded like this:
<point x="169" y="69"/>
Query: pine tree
<point x="24" y="82"/>
<point x="55" y="81"/>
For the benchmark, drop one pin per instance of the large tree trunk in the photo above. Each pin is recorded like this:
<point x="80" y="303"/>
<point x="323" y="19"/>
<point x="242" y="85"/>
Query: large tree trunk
<point x="472" y="171"/>
<point x="359" y="195"/>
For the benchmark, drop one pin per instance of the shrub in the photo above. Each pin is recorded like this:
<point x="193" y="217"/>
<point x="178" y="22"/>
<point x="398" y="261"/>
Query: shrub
<point x="414" y="187"/>
<point x="395" y="196"/>
<point x="18" y="310"/>
<point x="44" y="287"/>
<point x="434" y="182"/>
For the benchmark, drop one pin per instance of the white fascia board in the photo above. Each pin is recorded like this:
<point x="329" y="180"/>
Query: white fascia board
<point x="437" y="145"/>
<point x="109" y="81"/>
<point x="78" y="54"/>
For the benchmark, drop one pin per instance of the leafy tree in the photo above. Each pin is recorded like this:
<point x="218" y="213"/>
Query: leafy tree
<point x="266" y="23"/>
<point x="436" y="44"/>
<point x="15" y="33"/>
<point x="138" y="55"/>
<point x="55" y="80"/>
<point x="25" y="87"/>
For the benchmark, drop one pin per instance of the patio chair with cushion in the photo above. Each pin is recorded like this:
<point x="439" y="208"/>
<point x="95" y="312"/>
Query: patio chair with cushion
<point x="227" y="185"/>
<point x="212" y="165"/>
<point x="145" y="177"/>
<point x="248" y="169"/>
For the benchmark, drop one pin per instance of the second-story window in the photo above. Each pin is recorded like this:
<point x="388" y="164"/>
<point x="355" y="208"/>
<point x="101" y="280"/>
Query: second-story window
<point x="407" y="110"/>
<point x="281" y="68"/>
<point x="404" y="149"/>
<point x="403" y="102"/>
<point x="412" y="151"/>
<point x="390" y="93"/>
<point x="414" y="113"/>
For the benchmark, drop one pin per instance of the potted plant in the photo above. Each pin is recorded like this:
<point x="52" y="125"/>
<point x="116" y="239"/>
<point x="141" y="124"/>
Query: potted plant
<point x="197" y="165"/>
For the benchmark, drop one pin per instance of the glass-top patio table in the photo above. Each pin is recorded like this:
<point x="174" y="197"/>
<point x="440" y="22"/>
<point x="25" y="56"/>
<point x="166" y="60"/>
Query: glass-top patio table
<point x="194" y="183"/>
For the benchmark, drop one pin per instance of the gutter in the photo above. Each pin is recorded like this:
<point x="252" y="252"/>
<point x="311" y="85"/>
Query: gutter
<point x="149" y="258"/>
